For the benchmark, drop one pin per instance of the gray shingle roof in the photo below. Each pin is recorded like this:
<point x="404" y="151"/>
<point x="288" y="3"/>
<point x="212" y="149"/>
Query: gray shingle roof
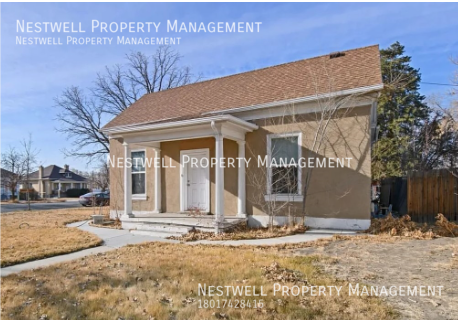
<point x="54" y="172"/>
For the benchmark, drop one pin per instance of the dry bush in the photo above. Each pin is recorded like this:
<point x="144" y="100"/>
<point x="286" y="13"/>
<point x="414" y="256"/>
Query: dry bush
<point x="32" y="235"/>
<point x="445" y="228"/>
<point x="405" y="227"/>
<point x="242" y="232"/>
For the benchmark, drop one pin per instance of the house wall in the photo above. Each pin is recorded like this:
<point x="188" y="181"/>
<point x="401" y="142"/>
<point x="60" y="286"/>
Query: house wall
<point x="341" y="196"/>
<point x="334" y="193"/>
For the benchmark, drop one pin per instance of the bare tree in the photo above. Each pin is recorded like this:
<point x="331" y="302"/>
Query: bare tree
<point x="81" y="117"/>
<point x="30" y="160"/>
<point x="279" y="176"/>
<point x="100" y="178"/>
<point x="435" y="145"/>
<point x="13" y="161"/>
<point x="329" y="110"/>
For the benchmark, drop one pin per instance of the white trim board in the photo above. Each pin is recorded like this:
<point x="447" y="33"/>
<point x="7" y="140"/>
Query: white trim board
<point x="319" y="223"/>
<point x="336" y="223"/>
<point x="181" y="123"/>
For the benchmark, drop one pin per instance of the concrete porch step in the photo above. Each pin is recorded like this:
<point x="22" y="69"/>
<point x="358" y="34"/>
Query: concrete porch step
<point x="163" y="228"/>
<point x="204" y="224"/>
<point x="154" y="234"/>
<point x="158" y="230"/>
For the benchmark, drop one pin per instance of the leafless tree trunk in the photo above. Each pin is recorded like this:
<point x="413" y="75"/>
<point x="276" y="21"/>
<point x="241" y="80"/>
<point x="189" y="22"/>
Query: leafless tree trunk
<point x="30" y="159"/>
<point x="82" y="115"/>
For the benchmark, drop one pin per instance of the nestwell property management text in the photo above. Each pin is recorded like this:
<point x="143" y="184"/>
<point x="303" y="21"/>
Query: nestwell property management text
<point x="102" y="28"/>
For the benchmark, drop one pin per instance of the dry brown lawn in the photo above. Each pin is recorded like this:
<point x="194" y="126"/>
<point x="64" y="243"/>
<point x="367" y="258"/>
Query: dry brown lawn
<point x="32" y="235"/>
<point x="160" y="281"/>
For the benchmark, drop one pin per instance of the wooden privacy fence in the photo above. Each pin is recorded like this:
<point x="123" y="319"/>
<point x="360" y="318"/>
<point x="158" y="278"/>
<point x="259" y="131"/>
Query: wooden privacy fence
<point x="430" y="193"/>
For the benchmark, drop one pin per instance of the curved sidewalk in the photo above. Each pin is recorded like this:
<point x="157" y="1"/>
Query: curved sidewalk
<point x="116" y="238"/>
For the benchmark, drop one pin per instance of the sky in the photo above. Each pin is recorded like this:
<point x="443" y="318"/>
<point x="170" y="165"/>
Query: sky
<point x="33" y="75"/>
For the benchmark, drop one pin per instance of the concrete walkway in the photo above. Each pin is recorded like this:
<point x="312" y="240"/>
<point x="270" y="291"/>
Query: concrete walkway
<point x="115" y="238"/>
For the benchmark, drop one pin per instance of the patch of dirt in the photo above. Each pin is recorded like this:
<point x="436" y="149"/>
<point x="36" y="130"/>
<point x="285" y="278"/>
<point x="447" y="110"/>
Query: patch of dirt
<point x="398" y="263"/>
<point x="242" y="232"/>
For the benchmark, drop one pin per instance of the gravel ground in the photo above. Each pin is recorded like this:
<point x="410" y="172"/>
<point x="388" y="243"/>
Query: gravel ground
<point x="400" y="263"/>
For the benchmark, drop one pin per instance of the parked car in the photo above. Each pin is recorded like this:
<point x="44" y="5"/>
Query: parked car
<point x="95" y="198"/>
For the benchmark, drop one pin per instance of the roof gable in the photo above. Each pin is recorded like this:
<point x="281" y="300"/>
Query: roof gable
<point x="355" y="68"/>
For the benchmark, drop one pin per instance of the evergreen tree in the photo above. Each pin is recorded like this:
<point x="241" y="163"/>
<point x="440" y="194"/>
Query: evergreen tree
<point x="401" y="112"/>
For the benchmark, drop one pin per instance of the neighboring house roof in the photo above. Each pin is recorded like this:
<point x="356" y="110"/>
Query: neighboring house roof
<point x="357" y="68"/>
<point x="5" y="174"/>
<point x="54" y="172"/>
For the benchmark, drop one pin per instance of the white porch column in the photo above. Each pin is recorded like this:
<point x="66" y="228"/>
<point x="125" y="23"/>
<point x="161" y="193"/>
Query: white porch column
<point x="127" y="183"/>
<point x="58" y="192"/>
<point x="158" y="181"/>
<point x="241" y="204"/>
<point x="219" y="182"/>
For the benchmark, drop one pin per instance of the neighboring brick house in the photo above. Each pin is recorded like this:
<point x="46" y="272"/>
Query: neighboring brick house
<point x="48" y="181"/>
<point x="230" y="117"/>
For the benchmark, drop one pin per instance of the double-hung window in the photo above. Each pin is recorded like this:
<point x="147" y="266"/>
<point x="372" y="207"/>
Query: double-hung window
<point x="284" y="173"/>
<point x="138" y="173"/>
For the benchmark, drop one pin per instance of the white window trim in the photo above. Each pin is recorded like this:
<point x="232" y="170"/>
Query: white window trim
<point x="283" y="197"/>
<point x="139" y="196"/>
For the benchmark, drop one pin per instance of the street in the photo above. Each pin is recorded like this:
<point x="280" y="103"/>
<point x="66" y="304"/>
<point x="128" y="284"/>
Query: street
<point x="5" y="208"/>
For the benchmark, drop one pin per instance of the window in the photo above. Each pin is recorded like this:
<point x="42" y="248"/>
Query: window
<point x="138" y="172"/>
<point x="284" y="151"/>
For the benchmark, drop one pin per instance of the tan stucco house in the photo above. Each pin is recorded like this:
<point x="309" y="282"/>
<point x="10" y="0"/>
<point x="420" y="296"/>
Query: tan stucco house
<point x="248" y="115"/>
<point x="54" y="181"/>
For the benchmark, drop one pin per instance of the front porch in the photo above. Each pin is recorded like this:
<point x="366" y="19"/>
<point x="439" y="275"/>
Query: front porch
<point x="168" y="224"/>
<point x="170" y="193"/>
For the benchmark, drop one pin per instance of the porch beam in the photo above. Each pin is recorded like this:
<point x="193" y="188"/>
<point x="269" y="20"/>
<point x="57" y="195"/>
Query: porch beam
<point x="158" y="181"/>
<point x="127" y="182"/>
<point x="241" y="184"/>
<point x="219" y="182"/>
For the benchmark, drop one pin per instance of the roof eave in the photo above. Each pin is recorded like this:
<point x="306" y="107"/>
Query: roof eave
<point x="181" y="123"/>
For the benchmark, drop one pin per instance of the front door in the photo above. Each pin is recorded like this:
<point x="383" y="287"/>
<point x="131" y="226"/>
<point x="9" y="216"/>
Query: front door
<point x="195" y="180"/>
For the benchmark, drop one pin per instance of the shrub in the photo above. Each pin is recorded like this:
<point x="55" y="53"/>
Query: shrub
<point x="33" y="195"/>
<point x="75" y="193"/>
